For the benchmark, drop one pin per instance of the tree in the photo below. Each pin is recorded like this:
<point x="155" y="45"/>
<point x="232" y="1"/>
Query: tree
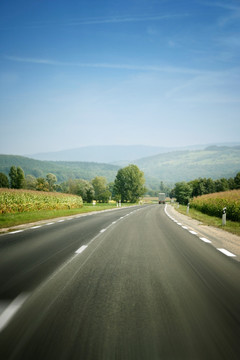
<point x="20" y="178"/>
<point x="221" y="185"/>
<point x="182" y="192"/>
<point x="110" y="188"/>
<point x="13" y="177"/>
<point x="51" y="179"/>
<point x="42" y="184"/>
<point x="78" y="187"/>
<point x="16" y="177"/>
<point x="4" y="182"/>
<point x="210" y="186"/>
<point x="237" y="181"/>
<point x="198" y="186"/>
<point x="30" y="182"/>
<point x="231" y="183"/>
<point x="163" y="188"/>
<point x="105" y="196"/>
<point x="99" y="184"/>
<point x="129" y="183"/>
<point x="82" y="188"/>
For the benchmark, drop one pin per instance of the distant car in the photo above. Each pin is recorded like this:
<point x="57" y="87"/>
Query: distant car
<point x="161" y="198"/>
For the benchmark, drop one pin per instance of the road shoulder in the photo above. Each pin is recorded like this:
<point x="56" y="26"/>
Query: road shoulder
<point x="218" y="237"/>
<point x="57" y="219"/>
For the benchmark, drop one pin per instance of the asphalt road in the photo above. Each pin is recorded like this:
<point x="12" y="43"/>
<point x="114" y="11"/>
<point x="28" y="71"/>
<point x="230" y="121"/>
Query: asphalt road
<point x="126" y="284"/>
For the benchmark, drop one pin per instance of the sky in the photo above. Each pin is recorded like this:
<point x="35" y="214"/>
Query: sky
<point x="118" y="72"/>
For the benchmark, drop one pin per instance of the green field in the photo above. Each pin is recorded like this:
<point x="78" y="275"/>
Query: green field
<point x="24" y="206"/>
<point x="213" y="204"/>
<point x="18" y="201"/>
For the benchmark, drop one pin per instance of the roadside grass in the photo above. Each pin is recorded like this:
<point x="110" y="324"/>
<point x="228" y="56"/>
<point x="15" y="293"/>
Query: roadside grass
<point x="11" y="220"/>
<point x="231" y="226"/>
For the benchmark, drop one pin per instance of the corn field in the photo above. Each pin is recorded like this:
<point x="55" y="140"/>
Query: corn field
<point x="18" y="201"/>
<point x="213" y="204"/>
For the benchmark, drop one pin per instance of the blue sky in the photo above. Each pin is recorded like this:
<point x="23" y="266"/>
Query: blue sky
<point x="77" y="73"/>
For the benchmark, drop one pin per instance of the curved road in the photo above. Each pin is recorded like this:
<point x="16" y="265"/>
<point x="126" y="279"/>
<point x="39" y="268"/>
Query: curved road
<point x="126" y="284"/>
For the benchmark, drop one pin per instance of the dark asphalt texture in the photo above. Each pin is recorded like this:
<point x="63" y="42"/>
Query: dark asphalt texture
<point x="143" y="289"/>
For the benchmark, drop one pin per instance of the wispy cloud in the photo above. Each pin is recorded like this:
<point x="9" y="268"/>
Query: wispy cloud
<point x="104" y="21"/>
<point x="233" y="15"/>
<point x="153" y="68"/>
<point x="228" y="6"/>
<point x="33" y="60"/>
<point x="124" y="19"/>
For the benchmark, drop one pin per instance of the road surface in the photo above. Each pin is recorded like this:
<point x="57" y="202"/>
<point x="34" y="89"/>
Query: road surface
<point x="126" y="284"/>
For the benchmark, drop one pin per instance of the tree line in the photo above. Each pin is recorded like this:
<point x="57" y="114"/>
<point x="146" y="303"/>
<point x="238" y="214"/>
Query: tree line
<point x="184" y="191"/>
<point x="128" y="185"/>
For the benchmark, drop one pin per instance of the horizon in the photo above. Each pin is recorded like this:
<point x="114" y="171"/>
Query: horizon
<point x="156" y="73"/>
<point x="195" y="147"/>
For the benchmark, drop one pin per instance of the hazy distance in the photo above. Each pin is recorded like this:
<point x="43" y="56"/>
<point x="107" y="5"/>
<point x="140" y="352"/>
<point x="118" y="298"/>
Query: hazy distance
<point x="83" y="73"/>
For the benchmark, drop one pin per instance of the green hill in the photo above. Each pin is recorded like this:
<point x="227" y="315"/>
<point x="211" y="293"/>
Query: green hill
<point x="213" y="162"/>
<point x="62" y="169"/>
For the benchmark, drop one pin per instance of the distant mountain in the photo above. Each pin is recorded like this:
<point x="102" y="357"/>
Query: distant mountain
<point x="62" y="169"/>
<point x="115" y="154"/>
<point x="213" y="162"/>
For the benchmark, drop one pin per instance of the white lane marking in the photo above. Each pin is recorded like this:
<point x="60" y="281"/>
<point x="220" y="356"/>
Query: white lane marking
<point x="60" y="221"/>
<point x="35" y="227"/>
<point x="15" y="232"/>
<point x="205" y="240"/>
<point x="226" y="252"/>
<point x="179" y="223"/>
<point x="11" y="310"/>
<point x="81" y="249"/>
<point x="69" y="219"/>
<point x="121" y="217"/>
<point x="49" y="224"/>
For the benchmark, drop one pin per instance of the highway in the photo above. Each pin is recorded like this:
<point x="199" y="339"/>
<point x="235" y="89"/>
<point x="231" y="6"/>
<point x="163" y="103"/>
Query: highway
<point x="123" y="284"/>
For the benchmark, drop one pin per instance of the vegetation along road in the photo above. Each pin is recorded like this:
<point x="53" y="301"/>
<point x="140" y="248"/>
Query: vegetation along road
<point x="125" y="284"/>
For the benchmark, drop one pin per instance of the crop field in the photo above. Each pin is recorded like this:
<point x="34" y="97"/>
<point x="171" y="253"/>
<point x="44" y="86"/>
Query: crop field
<point x="213" y="204"/>
<point x="18" y="201"/>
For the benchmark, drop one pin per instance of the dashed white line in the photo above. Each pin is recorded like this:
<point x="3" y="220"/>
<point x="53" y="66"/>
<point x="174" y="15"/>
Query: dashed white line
<point x="226" y="252"/>
<point x="193" y="232"/>
<point x="81" y="249"/>
<point x="11" y="310"/>
<point x="35" y="227"/>
<point x="51" y="223"/>
<point x="59" y="221"/>
<point x="15" y="232"/>
<point x="205" y="240"/>
<point x="103" y="230"/>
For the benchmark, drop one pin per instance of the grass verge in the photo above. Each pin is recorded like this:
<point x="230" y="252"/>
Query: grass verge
<point x="231" y="226"/>
<point x="11" y="220"/>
